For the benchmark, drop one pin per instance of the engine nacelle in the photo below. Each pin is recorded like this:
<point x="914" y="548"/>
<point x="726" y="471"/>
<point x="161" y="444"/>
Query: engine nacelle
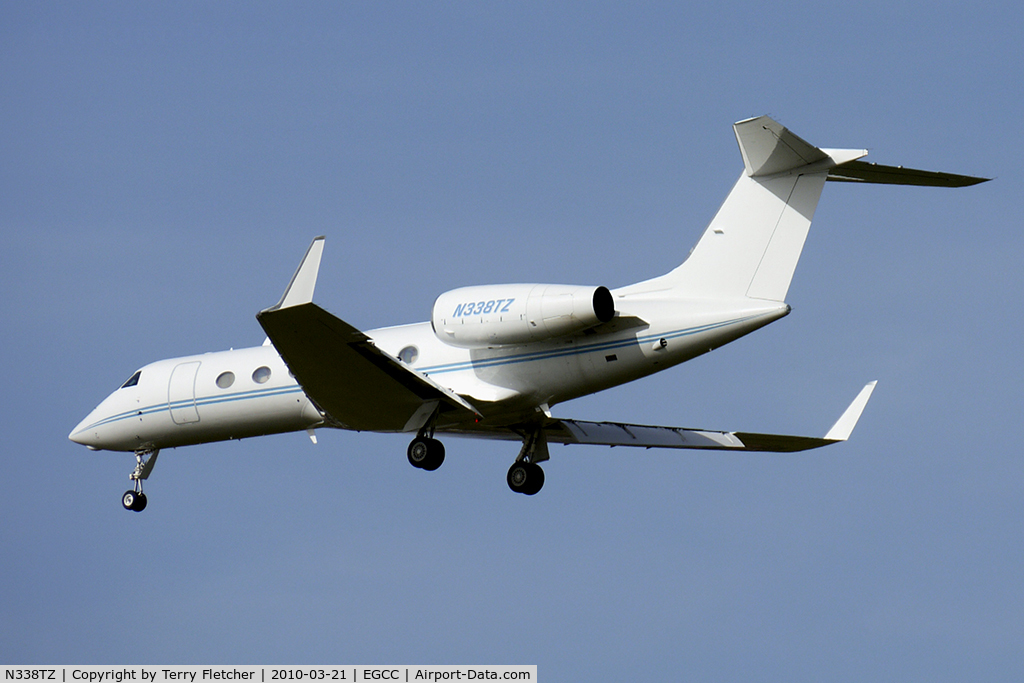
<point x="500" y="315"/>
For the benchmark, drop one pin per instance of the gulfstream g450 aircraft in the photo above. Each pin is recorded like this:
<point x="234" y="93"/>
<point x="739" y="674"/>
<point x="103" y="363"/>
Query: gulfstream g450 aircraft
<point x="493" y="360"/>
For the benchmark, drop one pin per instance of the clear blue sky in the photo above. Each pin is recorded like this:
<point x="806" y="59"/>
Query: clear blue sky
<point x="164" y="167"/>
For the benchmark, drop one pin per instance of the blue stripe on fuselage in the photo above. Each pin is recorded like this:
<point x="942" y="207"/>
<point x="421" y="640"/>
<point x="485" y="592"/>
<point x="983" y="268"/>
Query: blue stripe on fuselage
<point x="577" y="350"/>
<point x="198" y="402"/>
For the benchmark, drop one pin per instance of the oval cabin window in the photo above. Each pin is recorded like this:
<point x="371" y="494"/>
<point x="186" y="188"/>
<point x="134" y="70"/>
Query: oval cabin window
<point x="408" y="355"/>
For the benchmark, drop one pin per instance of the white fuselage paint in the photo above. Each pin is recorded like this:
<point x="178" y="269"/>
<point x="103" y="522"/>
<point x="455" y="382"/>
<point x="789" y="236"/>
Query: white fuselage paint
<point x="178" y="402"/>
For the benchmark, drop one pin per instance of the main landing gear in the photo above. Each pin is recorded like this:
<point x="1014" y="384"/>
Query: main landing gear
<point x="425" y="452"/>
<point x="525" y="476"/>
<point x="134" y="499"/>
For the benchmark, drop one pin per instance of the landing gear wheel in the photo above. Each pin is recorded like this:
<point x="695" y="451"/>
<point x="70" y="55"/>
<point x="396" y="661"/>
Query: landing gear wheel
<point x="426" y="454"/>
<point x="134" y="501"/>
<point x="525" y="477"/>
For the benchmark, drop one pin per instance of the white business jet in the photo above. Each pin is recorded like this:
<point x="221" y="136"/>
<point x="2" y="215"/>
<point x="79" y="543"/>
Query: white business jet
<point x="493" y="360"/>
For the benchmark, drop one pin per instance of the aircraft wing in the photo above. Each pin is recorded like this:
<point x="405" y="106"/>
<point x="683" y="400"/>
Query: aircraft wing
<point x="567" y="431"/>
<point x="358" y="385"/>
<point x="645" y="436"/>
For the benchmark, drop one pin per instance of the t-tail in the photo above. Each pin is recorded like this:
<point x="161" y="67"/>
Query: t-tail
<point x="751" y="248"/>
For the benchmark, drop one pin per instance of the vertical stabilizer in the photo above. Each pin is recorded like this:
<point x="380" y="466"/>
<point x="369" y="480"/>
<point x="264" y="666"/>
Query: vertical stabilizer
<point x="751" y="248"/>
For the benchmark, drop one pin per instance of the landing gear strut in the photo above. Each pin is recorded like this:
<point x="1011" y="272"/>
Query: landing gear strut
<point x="134" y="499"/>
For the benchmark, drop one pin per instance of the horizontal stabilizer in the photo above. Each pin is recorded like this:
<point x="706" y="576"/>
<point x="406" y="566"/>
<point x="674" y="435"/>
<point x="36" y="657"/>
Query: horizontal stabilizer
<point x="867" y="172"/>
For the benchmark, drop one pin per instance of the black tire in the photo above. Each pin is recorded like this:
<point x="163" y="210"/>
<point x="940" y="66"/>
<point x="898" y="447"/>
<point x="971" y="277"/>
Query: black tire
<point x="426" y="454"/>
<point x="435" y="455"/>
<point x="136" y="502"/>
<point x="525" y="477"/>
<point x="536" y="481"/>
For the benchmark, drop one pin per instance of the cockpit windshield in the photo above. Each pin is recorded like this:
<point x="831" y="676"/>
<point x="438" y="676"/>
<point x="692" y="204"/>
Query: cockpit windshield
<point x="133" y="380"/>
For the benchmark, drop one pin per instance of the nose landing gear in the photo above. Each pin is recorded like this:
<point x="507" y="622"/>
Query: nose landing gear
<point x="134" y="499"/>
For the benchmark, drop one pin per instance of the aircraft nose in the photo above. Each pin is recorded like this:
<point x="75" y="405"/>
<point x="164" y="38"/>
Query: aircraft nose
<point x="82" y="434"/>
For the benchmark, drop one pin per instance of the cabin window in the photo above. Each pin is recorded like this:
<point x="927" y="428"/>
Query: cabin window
<point x="133" y="380"/>
<point x="225" y="379"/>
<point x="408" y="355"/>
<point x="261" y="374"/>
